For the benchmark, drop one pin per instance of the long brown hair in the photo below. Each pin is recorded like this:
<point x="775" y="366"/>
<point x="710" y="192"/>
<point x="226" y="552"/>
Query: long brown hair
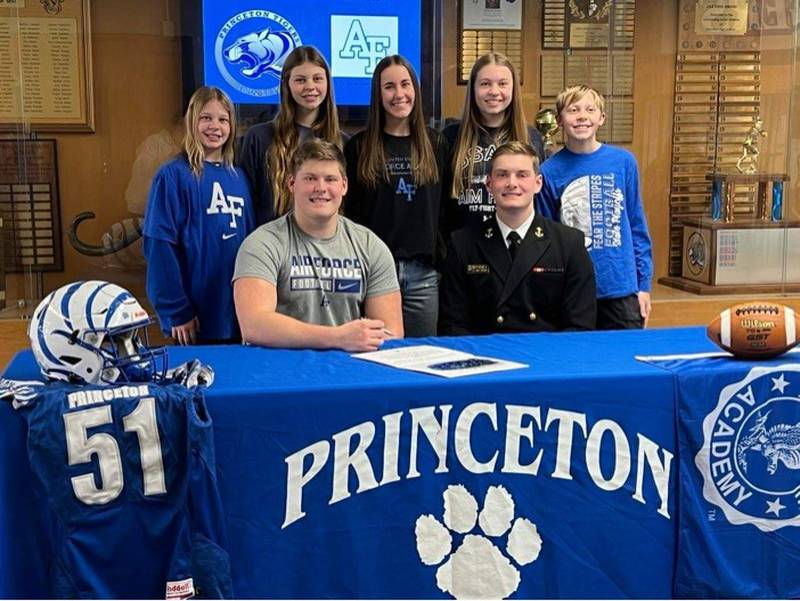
<point x="372" y="159"/>
<point x="195" y="153"/>
<point x="285" y="141"/>
<point x="514" y="125"/>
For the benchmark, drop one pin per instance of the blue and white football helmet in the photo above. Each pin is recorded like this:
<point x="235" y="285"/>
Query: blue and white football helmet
<point x="94" y="333"/>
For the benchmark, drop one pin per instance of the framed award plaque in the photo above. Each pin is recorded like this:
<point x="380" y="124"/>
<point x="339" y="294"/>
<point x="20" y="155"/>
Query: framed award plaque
<point x="29" y="206"/>
<point x="45" y="66"/>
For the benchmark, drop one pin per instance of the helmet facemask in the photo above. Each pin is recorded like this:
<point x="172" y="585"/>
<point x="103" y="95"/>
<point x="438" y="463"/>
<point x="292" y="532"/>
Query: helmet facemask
<point x="127" y="356"/>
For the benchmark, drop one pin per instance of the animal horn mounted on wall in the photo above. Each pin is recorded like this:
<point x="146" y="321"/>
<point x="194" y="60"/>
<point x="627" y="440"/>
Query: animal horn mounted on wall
<point x="131" y="231"/>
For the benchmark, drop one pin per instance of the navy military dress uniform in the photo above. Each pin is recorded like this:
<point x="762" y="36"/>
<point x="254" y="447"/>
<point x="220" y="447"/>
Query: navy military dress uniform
<point x="549" y="285"/>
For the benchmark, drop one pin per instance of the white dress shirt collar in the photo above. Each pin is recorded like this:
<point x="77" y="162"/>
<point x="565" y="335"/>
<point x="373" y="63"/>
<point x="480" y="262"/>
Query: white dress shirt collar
<point x="521" y="230"/>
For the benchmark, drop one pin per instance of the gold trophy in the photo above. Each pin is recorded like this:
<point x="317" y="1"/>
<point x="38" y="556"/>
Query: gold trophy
<point x="547" y="124"/>
<point x="750" y="146"/>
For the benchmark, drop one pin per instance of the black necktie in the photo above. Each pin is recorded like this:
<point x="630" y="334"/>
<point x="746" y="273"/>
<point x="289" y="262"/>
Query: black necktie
<point x="514" y="241"/>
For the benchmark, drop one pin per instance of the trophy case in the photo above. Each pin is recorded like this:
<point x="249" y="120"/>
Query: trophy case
<point x="730" y="256"/>
<point x="732" y="222"/>
<point x="722" y="255"/>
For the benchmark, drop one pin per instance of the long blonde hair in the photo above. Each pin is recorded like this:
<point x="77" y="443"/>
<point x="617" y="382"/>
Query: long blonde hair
<point x="285" y="139"/>
<point x="195" y="153"/>
<point x="514" y="125"/>
<point x="372" y="159"/>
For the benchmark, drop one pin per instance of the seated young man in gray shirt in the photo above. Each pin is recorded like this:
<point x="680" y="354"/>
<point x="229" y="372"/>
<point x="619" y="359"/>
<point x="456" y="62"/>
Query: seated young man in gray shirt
<point x="313" y="278"/>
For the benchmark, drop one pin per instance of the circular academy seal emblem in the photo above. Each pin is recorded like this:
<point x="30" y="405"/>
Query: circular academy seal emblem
<point x="750" y="459"/>
<point x="696" y="253"/>
<point x="250" y="50"/>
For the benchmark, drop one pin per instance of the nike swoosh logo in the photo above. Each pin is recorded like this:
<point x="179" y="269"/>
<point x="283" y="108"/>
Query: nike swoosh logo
<point x="347" y="286"/>
<point x="227" y="236"/>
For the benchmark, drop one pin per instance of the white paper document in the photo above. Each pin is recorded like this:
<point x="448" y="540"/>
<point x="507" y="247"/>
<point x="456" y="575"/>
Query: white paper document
<point x="438" y="361"/>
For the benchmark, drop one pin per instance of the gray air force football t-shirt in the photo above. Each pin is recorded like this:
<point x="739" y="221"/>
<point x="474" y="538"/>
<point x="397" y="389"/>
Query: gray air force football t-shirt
<point x="322" y="282"/>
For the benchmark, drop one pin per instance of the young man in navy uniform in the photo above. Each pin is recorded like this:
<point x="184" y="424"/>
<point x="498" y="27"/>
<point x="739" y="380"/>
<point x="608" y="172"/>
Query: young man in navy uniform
<point x="517" y="272"/>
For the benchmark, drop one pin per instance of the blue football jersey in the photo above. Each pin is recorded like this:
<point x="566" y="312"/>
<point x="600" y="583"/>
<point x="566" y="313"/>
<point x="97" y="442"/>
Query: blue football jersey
<point x="128" y="474"/>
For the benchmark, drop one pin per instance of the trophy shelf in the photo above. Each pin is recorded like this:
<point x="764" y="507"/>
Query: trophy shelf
<point x="739" y="257"/>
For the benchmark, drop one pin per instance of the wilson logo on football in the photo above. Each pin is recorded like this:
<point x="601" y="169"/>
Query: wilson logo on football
<point x="756" y="330"/>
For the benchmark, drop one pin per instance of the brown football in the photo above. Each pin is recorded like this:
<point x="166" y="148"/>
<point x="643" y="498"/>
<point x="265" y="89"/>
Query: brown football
<point x="755" y="330"/>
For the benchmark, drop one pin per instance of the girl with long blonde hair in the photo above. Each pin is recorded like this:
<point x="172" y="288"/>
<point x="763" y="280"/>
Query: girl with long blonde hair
<point x="198" y="213"/>
<point x="492" y="115"/>
<point x="307" y="109"/>
<point x="395" y="172"/>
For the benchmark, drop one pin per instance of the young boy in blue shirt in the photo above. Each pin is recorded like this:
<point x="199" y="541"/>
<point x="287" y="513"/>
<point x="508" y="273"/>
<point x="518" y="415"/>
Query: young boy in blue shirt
<point x="594" y="187"/>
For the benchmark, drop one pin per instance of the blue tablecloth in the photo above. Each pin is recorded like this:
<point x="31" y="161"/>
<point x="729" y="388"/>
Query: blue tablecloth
<point x="333" y="470"/>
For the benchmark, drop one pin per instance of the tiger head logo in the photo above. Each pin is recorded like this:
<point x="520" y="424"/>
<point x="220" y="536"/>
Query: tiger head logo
<point x="250" y="45"/>
<point x="261" y="52"/>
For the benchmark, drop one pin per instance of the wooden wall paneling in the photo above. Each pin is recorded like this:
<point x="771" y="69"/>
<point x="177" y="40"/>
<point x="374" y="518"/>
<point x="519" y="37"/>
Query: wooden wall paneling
<point x="452" y="93"/>
<point x="655" y="48"/>
<point x="13" y="338"/>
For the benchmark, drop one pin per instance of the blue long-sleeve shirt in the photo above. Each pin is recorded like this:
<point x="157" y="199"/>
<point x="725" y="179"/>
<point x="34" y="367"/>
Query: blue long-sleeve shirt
<point x="598" y="193"/>
<point x="192" y="231"/>
<point x="164" y="284"/>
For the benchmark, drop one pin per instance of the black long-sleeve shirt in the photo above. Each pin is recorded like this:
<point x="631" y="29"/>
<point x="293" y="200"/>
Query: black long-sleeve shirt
<point x="402" y="213"/>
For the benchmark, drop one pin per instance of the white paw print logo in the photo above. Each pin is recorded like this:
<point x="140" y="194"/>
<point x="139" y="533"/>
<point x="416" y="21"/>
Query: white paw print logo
<point x="477" y="569"/>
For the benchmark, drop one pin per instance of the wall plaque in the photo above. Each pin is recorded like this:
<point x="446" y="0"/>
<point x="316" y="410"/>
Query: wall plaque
<point x="555" y="33"/>
<point x="589" y="69"/>
<point x="588" y="35"/>
<point x="45" y="67"/>
<point x="589" y="42"/>
<point x="622" y="68"/>
<point x="29" y="206"/>
<point x="721" y="17"/>
<point x="718" y="25"/>
<point x="491" y="14"/>
<point x="588" y="24"/>
<point x="619" y="122"/>
<point x="480" y="34"/>
<point x="552" y="74"/>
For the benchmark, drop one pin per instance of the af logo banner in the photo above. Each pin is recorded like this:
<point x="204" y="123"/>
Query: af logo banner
<point x="739" y="452"/>
<point x="358" y="43"/>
